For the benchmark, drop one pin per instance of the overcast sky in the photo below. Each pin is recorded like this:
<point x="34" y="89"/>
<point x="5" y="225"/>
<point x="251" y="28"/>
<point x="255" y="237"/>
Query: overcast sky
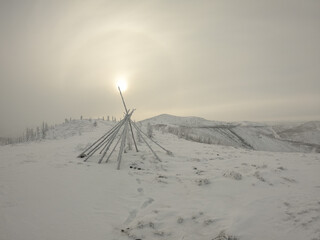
<point x="221" y="60"/>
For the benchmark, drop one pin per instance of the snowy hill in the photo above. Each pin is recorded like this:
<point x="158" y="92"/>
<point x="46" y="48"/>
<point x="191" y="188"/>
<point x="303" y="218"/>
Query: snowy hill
<point x="77" y="127"/>
<point x="182" y="121"/>
<point x="202" y="192"/>
<point x="257" y="136"/>
<point x="307" y="132"/>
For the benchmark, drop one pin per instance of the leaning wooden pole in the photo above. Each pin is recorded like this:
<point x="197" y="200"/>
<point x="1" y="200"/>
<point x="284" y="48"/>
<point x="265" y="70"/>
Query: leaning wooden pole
<point x="106" y="148"/>
<point x="81" y="155"/>
<point x="114" y="148"/>
<point x="123" y="143"/>
<point x="100" y="144"/>
<point x="125" y="107"/>
<point x="113" y="136"/>
<point x="149" y="146"/>
<point x="139" y="130"/>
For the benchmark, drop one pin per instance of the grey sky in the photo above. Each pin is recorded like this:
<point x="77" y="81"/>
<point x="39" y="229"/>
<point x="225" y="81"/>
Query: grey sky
<point x="222" y="60"/>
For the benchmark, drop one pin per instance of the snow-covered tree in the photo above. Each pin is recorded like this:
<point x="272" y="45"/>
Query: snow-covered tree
<point x="38" y="133"/>
<point x="139" y="139"/>
<point x="129" y="142"/>
<point x="149" y="130"/>
<point x="44" y="129"/>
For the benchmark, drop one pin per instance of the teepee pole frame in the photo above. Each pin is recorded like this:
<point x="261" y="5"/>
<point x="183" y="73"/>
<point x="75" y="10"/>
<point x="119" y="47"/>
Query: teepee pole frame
<point x="125" y="107"/>
<point x="120" y="131"/>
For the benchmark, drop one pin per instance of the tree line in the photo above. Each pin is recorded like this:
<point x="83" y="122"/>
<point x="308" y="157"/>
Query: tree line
<point x="30" y="134"/>
<point x="40" y="132"/>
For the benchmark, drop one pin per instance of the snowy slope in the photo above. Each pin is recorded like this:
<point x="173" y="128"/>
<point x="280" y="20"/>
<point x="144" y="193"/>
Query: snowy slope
<point x="200" y="192"/>
<point x="182" y="121"/>
<point x="76" y="127"/>
<point x="258" y="136"/>
<point x="307" y="132"/>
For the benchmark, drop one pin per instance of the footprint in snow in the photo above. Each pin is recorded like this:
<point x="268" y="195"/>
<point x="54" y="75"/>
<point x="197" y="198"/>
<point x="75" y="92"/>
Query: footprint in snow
<point x="140" y="190"/>
<point x="138" y="180"/>
<point x="147" y="203"/>
<point x="131" y="217"/>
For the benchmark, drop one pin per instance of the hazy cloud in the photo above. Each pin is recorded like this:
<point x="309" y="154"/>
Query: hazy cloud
<point x="223" y="60"/>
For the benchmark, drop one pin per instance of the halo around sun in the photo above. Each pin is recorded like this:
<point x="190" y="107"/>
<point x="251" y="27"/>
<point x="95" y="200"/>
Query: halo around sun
<point x="122" y="83"/>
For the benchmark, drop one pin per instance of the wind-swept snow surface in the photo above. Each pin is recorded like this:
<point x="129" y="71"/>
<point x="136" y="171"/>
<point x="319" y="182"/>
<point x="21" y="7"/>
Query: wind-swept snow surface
<point x="201" y="192"/>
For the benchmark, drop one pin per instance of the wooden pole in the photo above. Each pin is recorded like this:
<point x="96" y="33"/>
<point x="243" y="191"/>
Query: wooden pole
<point x="108" y="145"/>
<point x="134" y="141"/>
<point x="114" y="148"/>
<point x="139" y="130"/>
<point x="149" y="146"/>
<point x="123" y="142"/>
<point x="124" y="104"/>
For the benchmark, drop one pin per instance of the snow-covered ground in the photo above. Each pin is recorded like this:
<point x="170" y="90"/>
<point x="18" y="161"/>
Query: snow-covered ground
<point x="202" y="192"/>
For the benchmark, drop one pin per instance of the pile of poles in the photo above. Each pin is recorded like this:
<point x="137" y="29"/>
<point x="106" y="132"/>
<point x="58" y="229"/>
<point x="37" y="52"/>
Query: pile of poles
<point x="119" y="132"/>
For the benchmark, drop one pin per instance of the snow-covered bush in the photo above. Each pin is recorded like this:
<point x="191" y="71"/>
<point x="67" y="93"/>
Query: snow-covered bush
<point x="232" y="174"/>
<point x="223" y="236"/>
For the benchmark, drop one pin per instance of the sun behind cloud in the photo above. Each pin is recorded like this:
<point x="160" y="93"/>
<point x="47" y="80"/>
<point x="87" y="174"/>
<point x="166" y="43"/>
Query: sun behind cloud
<point x="122" y="83"/>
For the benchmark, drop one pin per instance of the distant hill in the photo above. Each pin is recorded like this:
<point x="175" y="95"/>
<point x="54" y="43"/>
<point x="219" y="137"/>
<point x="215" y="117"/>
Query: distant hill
<point x="275" y="137"/>
<point x="281" y="137"/>
<point x="308" y="132"/>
